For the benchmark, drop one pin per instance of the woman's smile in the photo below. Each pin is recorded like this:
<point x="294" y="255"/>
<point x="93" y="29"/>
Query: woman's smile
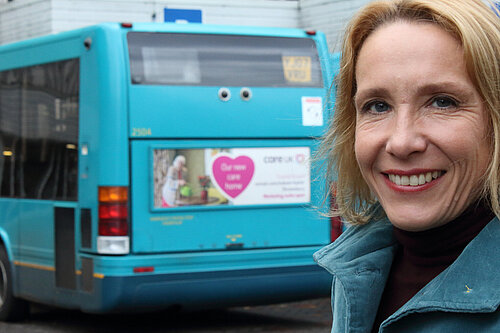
<point x="411" y="181"/>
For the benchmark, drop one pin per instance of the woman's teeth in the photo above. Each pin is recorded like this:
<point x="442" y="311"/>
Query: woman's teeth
<point x="414" y="180"/>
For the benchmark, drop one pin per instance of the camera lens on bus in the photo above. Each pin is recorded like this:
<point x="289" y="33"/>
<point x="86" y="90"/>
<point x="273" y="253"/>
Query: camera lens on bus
<point x="245" y="94"/>
<point x="224" y="94"/>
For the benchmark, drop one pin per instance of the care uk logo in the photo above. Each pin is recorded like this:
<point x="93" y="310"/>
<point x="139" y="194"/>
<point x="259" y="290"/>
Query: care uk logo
<point x="273" y="159"/>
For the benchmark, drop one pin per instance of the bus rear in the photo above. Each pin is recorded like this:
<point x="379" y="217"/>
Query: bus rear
<point x="221" y="128"/>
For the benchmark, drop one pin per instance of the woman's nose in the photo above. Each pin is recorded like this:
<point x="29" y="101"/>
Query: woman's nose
<point x="405" y="137"/>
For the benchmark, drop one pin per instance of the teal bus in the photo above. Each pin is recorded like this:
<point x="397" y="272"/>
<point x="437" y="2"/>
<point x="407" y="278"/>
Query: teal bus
<point x="154" y="166"/>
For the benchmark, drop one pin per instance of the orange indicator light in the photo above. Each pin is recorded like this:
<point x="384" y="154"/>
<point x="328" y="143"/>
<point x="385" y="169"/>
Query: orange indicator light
<point x="113" y="194"/>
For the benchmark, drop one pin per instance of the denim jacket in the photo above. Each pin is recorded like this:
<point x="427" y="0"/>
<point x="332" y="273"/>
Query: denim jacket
<point x="465" y="297"/>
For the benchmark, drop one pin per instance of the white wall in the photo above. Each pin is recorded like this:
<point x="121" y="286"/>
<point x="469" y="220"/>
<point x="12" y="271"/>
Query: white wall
<point x="329" y="16"/>
<point x="21" y="19"/>
<point x="24" y="19"/>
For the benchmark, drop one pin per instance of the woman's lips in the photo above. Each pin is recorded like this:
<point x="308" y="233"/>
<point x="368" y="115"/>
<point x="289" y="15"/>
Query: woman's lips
<point x="413" y="180"/>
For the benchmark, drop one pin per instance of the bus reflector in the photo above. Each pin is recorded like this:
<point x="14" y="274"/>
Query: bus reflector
<point x="144" y="269"/>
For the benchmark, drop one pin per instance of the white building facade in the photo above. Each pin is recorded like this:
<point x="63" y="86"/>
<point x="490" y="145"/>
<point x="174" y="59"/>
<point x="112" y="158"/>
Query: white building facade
<point x="23" y="19"/>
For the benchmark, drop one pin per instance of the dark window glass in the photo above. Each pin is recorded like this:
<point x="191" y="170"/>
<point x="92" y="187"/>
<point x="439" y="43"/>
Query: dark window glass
<point x="39" y="131"/>
<point x="223" y="60"/>
<point x="10" y="128"/>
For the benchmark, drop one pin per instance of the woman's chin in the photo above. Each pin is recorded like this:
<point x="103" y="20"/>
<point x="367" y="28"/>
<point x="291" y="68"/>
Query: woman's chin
<point x="414" y="222"/>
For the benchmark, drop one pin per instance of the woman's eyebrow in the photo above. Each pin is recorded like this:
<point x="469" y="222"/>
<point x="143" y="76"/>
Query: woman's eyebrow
<point x="370" y="92"/>
<point x="428" y="88"/>
<point x="445" y="87"/>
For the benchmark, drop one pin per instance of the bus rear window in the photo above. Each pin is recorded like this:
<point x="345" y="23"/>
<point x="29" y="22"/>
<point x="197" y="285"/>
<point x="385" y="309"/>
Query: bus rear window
<point x="223" y="60"/>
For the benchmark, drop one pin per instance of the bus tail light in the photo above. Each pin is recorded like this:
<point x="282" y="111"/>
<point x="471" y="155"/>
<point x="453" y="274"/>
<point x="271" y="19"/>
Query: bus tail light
<point x="113" y="220"/>
<point x="335" y="221"/>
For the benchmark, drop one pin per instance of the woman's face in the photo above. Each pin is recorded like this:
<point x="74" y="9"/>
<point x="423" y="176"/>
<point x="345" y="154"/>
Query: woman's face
<point x="421" y="128"/>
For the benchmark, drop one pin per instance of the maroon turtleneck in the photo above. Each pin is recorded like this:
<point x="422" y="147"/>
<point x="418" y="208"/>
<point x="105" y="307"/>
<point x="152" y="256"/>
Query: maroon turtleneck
<point x="422" y="255"/>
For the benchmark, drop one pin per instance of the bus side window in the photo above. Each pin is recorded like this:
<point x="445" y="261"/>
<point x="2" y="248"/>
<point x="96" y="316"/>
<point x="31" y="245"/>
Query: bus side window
<point x="10" y="105"/>
<point x="39" y="131"/>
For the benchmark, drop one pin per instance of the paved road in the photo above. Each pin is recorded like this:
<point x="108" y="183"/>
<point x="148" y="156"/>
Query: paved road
<point x="312" y="316"/>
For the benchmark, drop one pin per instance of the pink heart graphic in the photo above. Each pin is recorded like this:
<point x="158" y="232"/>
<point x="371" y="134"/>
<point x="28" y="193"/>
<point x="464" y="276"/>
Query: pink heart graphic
<point x="233" y="175"/>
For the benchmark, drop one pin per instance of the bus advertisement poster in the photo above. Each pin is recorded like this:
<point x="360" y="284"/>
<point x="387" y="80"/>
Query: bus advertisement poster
<point x="234" y="176"/>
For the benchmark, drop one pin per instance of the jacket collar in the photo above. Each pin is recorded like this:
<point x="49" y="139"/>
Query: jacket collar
<point x="358" y="248"/>
<point x="470" y="284"/>
<point x="361" y="258"/>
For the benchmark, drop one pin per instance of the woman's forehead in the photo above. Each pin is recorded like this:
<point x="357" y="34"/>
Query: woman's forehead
<point x="424" y="53"/>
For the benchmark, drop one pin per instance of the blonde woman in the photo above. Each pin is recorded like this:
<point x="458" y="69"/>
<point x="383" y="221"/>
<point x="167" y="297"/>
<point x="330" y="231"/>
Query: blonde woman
<point x="415" y="147"/>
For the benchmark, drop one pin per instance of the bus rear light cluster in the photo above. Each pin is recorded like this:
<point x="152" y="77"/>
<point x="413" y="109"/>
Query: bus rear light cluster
<point x="335" y="221"/>
<point x="113" y="220"/>
<point x="335" y="227"/>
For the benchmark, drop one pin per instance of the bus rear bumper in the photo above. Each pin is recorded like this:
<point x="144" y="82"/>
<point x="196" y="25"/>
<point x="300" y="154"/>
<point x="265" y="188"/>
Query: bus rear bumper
<point x="201" y="290"/>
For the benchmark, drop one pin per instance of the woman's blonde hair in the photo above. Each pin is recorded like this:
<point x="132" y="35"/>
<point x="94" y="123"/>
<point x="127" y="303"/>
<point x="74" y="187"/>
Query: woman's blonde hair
<point x="476" y="27"/>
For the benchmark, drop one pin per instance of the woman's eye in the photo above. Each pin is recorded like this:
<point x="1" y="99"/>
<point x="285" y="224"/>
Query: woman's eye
<point x="377" y="107"/>
<point x="444" y="103"/>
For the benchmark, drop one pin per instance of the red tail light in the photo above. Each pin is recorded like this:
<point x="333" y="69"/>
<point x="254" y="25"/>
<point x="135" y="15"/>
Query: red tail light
<point x="335" y="221"/>
<point x="113" y="211"/>
<point x="113" y="228"/>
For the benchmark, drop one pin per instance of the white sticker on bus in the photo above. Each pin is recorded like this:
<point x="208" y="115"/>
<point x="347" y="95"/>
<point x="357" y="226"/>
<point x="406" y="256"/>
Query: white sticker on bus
<point x="312" y="111"/>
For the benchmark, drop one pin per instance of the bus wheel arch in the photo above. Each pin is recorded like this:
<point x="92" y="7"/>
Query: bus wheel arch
<point x="11" y="307"/>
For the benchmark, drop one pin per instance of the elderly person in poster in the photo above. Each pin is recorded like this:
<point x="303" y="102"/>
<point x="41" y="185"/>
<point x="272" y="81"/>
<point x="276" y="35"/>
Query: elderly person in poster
<point x="176" y="177"/>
